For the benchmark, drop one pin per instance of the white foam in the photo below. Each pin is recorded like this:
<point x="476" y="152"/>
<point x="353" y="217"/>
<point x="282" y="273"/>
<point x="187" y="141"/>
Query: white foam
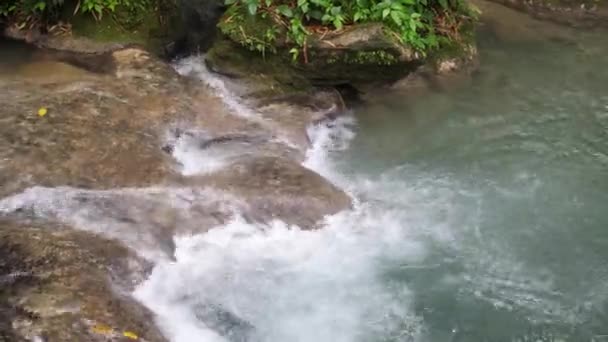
<point x="328" y="137"/>
<point x="287" y="284"/>
<point x="194" y="66"/>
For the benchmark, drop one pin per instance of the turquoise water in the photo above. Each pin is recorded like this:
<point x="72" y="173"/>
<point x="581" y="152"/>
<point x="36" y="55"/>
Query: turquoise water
<point x="506" y="179"/>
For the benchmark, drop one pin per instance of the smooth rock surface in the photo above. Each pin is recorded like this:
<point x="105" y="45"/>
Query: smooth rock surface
<point x="64" y="285"/>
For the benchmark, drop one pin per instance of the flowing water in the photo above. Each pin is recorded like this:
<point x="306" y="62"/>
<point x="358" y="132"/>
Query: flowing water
<point x="481" y="214"/>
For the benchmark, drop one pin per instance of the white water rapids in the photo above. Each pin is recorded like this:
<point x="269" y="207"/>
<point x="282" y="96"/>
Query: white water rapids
<point x="273" y="283"/>
<point x="281" y="283"/>
<point x="476" y="218"/>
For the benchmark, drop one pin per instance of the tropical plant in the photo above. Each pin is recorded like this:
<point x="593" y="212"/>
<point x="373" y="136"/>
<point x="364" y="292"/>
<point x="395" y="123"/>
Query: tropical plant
<point x="36" y="9"/>
<point x="418" y="23"/>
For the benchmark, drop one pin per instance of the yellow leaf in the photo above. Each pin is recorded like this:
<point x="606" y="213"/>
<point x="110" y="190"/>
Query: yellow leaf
<point x="131" y="335"/>
<point x="42" y="111"/>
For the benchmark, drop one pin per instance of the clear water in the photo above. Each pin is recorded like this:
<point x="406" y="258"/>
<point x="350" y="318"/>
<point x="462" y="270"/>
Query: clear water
<point x="514" y="170"/>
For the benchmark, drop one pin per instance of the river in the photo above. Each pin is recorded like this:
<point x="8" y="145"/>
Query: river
<point x="481" y="214"/>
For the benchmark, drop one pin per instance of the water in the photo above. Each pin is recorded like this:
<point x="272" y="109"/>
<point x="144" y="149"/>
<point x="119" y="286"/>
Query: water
<point x="509" y="177"/>
<point x="480" y="216"/>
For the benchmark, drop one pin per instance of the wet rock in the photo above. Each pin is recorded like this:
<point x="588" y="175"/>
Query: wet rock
<point x="510" y="25"/>
<point x="102" y="130"/>
<point x="577" y="13"/>
<point x="65" y="285"/>
<point x="199" y="20"/>
<point x="144" y="219"/>
<point x="277" y="188"/>
<point x="441" y="73"/>
<point x="224" y="322"/>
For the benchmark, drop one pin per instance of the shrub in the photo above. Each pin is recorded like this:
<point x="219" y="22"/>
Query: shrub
<point x="35" y="10"/>
<point x="422" y="24"/>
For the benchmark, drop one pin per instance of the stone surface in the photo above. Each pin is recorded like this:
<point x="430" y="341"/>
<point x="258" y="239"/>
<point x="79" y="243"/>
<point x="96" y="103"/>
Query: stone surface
<point x="277" y="188"/>
<point x="108" y="160"/>
<point x="577" y="13"/>
<point x="64" y="285"/>
<point x="102" y="130"/>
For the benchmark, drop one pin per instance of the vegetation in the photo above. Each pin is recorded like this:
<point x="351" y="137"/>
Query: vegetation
<point x="423" y="24"/>
<point x="27" y="11"/>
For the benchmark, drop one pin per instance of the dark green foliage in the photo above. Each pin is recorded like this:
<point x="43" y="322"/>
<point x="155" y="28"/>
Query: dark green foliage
<point x="28" y="10"/>
<point x="422" y="24"/>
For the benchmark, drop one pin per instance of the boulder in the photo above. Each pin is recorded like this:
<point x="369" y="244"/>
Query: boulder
<point x="575" y="13"/>
<point x="58" y="284"/>
<point x="358" y="54"/>
<point x="103" y="126"/>
<point x="277" y="188"/>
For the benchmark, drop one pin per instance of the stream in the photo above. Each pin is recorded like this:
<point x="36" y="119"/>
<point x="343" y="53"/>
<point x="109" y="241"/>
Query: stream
<point x="480" y="215"/>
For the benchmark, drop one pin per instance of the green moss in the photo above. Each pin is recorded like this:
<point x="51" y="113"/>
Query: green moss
<point x="255" y="33"/>
<point x="123" y="26"/>
<point x="274" y="71"/>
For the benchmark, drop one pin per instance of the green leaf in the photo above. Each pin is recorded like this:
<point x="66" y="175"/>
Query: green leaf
<point x="285" y="10"/>
<point x="397" y="7"/>
<point x="444" y="4"/>
<point x="229" y="2"/>
<point x="385" y="13"/>
<point x="397" y="18"/>
<point x="413" y="25"/>
<point x="316" y="14"/>
<point x="294" y="54"/>
<point x="338" y="23"/>
<point x="252" y="7"/>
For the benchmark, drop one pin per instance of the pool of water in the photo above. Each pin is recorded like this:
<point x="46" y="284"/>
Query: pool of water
<point x="505" y="183"/>
<point x="480" y="215"/>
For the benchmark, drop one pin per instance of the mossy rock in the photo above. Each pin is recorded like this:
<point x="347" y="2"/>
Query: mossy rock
<point x="357" y="55"/>
<point x="153" y="28"/>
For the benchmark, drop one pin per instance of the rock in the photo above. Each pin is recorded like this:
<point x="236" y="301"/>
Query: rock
<point x="578" y="13"/>
<point x="144" y="219"/>
<point x="102" y="130"/>
<point x="199" y="20"/>
<point x="363" y="57"/>
<point x="510" y="25"/>
<point x="442" y="72"/>
<point x="259" y="188"/>
<point x="358" y="54"/>
<point x="65" y="285"/>
<point x="227" y="324"/>
<point x="170" y="29"/>
<point x="277" y="188"/>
